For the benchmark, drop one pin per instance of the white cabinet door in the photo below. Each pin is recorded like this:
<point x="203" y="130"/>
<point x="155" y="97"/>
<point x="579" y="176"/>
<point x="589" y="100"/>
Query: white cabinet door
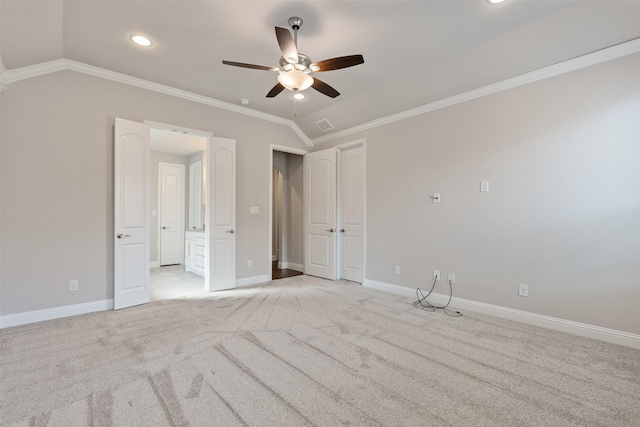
<point x="221" y="232"/>
<point x="131" y="220"/>
<point x="320" y="213"/>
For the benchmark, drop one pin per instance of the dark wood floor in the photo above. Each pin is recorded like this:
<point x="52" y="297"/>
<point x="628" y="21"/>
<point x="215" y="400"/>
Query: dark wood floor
<point x="281" y="273"/>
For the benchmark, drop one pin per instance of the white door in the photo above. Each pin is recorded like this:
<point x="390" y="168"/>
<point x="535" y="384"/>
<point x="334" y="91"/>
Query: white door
<point x="171" y="213"/>
<point x="320" y="213"/>
<point x="221" y="233"/>
<point x="352" y="214"/>
<point x="131" y="214"/>
<point x="195" y="196"/>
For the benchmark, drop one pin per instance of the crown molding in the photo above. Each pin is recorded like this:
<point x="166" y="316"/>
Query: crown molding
<point x="44" y="68"/>
<point x="597" y="57"/>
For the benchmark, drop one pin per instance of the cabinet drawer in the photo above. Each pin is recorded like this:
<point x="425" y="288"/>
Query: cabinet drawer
<point x="199" y="261"/>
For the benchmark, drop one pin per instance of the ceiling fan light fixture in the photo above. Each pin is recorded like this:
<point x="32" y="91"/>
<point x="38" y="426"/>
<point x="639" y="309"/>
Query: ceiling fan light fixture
<point x="299" y="96"/>
<point x="494" y="1"/>
<point x="295" y="80"/>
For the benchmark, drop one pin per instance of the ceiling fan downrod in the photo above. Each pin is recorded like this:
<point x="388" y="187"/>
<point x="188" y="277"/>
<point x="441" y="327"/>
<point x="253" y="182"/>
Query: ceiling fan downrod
<point x="295" y="22"/>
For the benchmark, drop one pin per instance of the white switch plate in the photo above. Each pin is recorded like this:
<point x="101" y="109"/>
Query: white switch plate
<point x="484" y="186"/>
<point x="154" y="212"/>
<point x="73" y="285"/>
<point x="436" y="275"/>
<point x="451" y="278"/>
<point x="436" y="197"/>
<point x="396" y="270"/>
<point x="254" y="210"/>
<point x="250" y="263"/>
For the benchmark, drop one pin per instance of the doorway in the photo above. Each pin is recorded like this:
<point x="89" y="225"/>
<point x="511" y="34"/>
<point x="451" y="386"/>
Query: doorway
<point x="177" y="214"/>
<point x="286" y="219"/>
<point x="133" y="211"/>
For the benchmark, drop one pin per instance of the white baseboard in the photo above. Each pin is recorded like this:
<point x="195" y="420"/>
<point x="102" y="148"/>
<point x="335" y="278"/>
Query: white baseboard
<point x="17" y="319"/>
<point x="291" y="266"/>
<point x="154" y="264"/>
<point x="581" y="329"/>
<point x="253" y="280"/>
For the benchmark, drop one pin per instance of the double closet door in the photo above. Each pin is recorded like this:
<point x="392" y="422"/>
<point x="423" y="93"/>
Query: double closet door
<point x="334" y="204"/>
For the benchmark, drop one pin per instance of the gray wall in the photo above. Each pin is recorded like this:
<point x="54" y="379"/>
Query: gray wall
<point x="154" y="226"/>
<point x="295" y="218"/>
<point x="57" y="183"/>
<point x="563" y="212"/>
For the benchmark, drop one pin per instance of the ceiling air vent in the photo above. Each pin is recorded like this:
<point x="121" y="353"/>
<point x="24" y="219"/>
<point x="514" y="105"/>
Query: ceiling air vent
<point x="324" y="125"/>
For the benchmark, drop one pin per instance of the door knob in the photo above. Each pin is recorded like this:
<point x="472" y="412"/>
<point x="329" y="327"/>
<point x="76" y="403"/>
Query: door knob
<point x="230" y="231"/>
<point x="164" y="228"/>
<point x="342" y="230"/>
<point x="330" y="230"/>
<point x="120" y="236"/>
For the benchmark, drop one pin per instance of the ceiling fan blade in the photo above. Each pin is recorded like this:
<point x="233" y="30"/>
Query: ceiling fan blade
<point x="340" y="62"/>
<point x="324" y="88"/>
<point x="255" y="67"/>
<point x="287" y="45"/>
<point x="276" y="90"/>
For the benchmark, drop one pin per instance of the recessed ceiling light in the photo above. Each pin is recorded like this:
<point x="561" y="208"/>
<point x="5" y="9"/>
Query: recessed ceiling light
<point x="141" y="40"/>
<point x="299" y="96"/>
<point x="494" y="1"/>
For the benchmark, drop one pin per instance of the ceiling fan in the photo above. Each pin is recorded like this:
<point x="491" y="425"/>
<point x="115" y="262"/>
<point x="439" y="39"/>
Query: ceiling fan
<point x="295" y="67"/>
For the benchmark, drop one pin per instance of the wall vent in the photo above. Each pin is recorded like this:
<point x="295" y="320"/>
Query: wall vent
<point x="324" y="125"/>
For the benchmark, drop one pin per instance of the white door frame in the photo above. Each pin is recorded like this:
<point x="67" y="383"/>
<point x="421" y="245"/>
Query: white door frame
<point x="343" y="147"/>
<point x="284" y="149"/>
<point x="182" y="200"/>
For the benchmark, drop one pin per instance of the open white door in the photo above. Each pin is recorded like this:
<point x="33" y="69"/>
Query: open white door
<point x="320" y="213"/>
<point x="352" y="214"/>
<point x="221" y="229"/>
<point x="171" y="214"/>
<point x="131" y="220"/>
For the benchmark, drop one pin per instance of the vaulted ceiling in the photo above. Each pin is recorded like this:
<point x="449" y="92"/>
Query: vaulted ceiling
<point x="415" y="52"/>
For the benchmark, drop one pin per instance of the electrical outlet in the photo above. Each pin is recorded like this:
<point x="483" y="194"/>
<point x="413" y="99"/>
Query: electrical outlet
<point x="436" y="197"/>
<point x="250" y="263"/>
<point x="451" y="278"/>
<point x="436" y="275"/>
<point x="73" y="285"/>
<point x="396" y="269"/>
<point x="523" y="290"/>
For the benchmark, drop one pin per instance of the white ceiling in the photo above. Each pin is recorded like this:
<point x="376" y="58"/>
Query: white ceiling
<point x="415" y="52"/>
<point x="172" y="142"/>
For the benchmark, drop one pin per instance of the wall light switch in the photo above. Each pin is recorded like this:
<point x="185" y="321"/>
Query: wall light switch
<point x="254" y="210"/>
<point x="484" y="186"/>
<point x="154" y="212"/>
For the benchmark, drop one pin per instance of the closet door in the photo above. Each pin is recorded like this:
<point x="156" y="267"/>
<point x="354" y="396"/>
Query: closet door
<point x="320" y="214"/>
<point x="351" y="241"/>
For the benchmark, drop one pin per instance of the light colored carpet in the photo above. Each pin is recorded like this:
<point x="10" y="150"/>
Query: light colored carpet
<point x="305" y="351"/>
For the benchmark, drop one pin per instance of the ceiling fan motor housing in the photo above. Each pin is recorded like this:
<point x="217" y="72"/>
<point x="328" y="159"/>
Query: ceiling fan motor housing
<point x="303" y="64"/>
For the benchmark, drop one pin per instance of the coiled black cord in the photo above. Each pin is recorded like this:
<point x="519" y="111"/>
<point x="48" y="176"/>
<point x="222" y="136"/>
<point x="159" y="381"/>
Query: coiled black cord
<point x="427" y="306"/>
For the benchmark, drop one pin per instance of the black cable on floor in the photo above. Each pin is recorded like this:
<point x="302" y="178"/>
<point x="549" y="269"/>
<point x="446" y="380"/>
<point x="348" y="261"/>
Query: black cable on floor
<point x="427" y="306"/>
